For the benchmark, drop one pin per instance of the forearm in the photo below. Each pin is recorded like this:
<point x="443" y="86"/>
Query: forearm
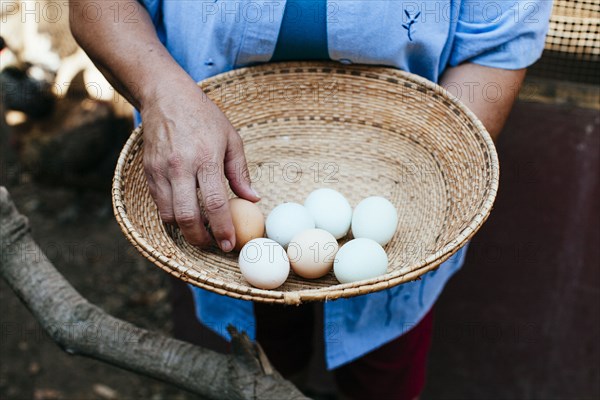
<point x="126" y="50"/>
<point x="186" y="136"/>
<point x="488" y="92"/>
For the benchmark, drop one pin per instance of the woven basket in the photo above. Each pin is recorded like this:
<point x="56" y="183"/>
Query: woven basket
<point x="360" y="130"/>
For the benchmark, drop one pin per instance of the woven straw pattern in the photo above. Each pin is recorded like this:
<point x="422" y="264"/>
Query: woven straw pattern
<point x="572" y="50"/>
<point x="360" y="130"/>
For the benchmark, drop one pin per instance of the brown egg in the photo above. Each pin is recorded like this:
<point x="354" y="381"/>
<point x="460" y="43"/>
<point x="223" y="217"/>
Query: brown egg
<point x="248" y="221"/>
<point x="312" y="252"/>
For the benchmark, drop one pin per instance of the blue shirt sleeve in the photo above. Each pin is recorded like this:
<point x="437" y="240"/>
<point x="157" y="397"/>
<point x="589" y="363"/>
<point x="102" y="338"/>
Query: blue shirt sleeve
<point x="501" y="34"/>
<point x="152" y="7"/>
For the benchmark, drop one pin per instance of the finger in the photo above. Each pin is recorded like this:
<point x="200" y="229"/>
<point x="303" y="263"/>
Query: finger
<point x="216" y="204"/>
<point x="236" y="169"/>
<point x="187" y="210"/>
<point x="160" y="190"/>
<point x="203" y="216"/>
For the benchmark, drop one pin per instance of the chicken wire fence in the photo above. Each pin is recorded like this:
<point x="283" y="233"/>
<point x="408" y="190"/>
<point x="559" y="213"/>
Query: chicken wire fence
<point x="572" y="50"/>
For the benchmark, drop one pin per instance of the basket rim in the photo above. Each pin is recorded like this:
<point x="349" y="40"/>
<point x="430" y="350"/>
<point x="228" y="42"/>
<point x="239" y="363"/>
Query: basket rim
<point x="381" y="282"/>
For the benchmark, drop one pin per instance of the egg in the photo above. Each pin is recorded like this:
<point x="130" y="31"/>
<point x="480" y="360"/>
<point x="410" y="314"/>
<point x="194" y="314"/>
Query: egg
<point x="311" y="253"/>
<point x="375" y="218"/>
<point x="330" y="210"/>
<point x="264" y="263"/>
<point x="360" y="259"/>
<point x="248" y="221"/>
<point x="287" y="220"/>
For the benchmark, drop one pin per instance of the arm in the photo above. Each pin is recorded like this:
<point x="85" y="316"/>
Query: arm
<point x="489" y="56"/>
<point x="488" y="92"/>
<point x="188" y="141"/>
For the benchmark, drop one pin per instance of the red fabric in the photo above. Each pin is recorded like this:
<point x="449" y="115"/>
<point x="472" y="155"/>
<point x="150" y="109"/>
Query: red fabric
<point x="395" y="371"/>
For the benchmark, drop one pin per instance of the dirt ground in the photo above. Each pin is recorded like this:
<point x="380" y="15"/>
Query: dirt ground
<point x="80" y="236"/>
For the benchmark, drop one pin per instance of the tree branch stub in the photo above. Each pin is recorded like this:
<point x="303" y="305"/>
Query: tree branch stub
<point x="69" y="318"/>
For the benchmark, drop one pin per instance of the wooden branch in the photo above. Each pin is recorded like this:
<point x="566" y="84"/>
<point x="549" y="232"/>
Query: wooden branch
<point x="82" y="328"/>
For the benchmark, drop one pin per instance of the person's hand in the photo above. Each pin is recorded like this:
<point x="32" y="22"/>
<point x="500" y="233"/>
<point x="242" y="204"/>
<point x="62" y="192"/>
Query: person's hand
<point x="190" y="143"/>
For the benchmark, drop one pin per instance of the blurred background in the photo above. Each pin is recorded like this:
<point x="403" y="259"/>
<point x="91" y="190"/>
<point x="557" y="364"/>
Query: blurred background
<point x="519" y="321"/>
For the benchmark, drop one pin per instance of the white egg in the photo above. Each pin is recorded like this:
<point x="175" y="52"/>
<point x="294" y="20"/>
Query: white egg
<point x="375" y="218"/>
<point x="264" y="263"/>
<point x="286" y="221"/>
<point x="331" y="211"/>
<point x="360" y="259"/>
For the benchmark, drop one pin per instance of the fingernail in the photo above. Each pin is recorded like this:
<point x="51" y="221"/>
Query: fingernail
<point x="226" y="245"/>
<point x="255" y="192"/>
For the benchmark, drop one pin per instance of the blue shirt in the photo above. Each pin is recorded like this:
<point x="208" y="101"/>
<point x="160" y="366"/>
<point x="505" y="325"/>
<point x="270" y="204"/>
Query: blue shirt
<point x="209" y="37"/>
<point x="303" y="32"/>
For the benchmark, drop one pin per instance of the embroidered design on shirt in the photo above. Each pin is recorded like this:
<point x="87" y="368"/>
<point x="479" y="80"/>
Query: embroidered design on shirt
<point x="409" y="26"/>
